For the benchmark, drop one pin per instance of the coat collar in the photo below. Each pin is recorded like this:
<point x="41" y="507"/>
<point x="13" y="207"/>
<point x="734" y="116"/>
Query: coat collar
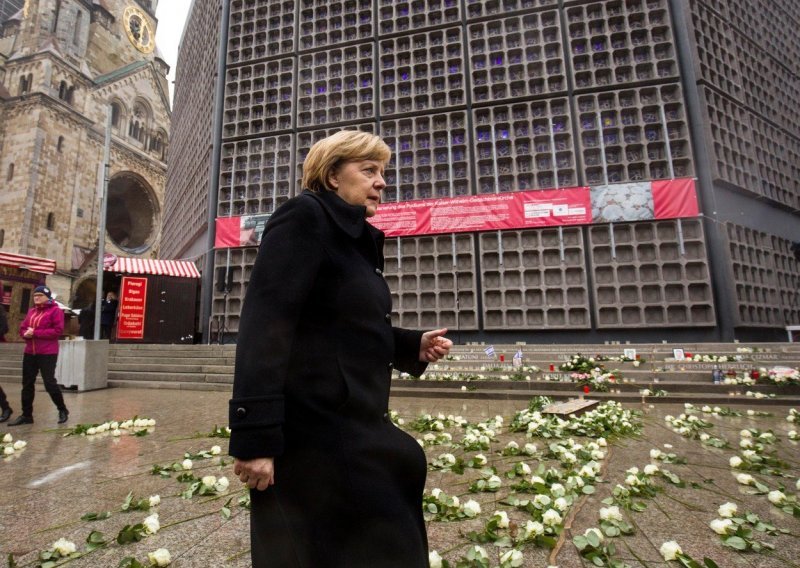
<point x="349" y="218"/>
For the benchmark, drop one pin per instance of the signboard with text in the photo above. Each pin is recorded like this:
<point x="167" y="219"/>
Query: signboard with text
<point x="133" y="299"/>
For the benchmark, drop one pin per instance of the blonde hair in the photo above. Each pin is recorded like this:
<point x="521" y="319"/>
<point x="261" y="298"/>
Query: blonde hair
<point x="329" y="153"/>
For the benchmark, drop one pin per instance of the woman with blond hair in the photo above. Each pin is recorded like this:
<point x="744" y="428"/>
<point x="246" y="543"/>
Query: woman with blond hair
<point x="333" y="482"/>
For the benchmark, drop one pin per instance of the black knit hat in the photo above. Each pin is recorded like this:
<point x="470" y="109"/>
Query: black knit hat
<point x="43" y="290"/>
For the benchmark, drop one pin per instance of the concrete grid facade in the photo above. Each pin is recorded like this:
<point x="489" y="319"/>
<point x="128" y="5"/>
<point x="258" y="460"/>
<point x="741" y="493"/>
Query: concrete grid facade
<point x="492" y="96"/>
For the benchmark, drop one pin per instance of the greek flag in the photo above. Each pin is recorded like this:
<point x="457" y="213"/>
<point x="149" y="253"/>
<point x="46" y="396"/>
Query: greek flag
<point x="489" y="351"/>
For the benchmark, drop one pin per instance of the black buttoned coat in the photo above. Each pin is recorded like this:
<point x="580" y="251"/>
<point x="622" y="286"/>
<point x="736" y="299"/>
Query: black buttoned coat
<point x="313" y="366"/>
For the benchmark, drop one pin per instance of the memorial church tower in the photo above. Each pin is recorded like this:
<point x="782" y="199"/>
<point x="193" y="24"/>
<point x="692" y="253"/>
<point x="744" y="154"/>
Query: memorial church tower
<point x="64" y="65"/>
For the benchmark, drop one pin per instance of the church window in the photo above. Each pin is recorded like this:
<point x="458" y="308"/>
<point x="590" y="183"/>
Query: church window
<point x="2" y="239"/>
<point x="24" y="86"/>
<point x="70" y="95"/>
<point x="76" y="36"/>
<point x="60" y="145"/>
<point x="10" y="173"/>
<point x="115" y="115"/>
<point x="62" y="90"/>
<point x="51" y="221"/>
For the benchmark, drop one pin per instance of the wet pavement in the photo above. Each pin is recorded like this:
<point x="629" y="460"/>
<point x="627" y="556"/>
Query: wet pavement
<point x="55" y="481"/>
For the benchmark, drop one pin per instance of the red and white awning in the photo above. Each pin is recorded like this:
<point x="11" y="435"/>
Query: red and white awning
<point x="180" y="268"/>
<point x="32" y="263"/>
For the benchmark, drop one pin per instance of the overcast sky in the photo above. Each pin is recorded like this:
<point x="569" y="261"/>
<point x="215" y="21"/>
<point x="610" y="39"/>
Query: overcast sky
<point x="171" y="16"/>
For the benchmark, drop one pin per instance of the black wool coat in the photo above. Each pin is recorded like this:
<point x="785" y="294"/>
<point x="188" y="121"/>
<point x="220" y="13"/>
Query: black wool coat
<point x="314" y="358"/>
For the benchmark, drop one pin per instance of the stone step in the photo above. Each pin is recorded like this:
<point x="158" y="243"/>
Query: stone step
<point x="171" y="377"/>
<point x="172" y="367"/>
<point x="201" y="360"/>
<point x="218" y="387"/>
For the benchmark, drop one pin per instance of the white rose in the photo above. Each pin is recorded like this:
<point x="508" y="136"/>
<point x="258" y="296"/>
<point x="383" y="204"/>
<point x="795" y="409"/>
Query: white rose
<point x="222" y="484"/>
<point x="435" y="492"/>
<point x="159" y="557"/>
<point x="91" y="431"/>
<point x="151" y="524"/>
<point x="187" y="464"/>
<point x="494" y="482"/>
<point x="139" y="423"/>
<point x="602" y="442"/>
<point x="727" y="510"/>
<point x="116" y="433"/>
<point x="512" y="446"/>
<point x="797" y="485"/>
<point x="216" y="450"/>
<point x="456" y="502"/>
<point x="209" y="480"/>
<point x="551" y="518"/>
<point x="704" y="437"/>
<point x="595" y="531"/>
<point x="557" y="490"/>
<point x="536" y="479"/>
<point x="637" y="363"/>
<point x="480" y="459"/>
<point x="8" y="450"/>
<point x="541" y="501"/>
<point x="64" y="547"/>
<point x="746" y="434"/>
<point x="650" y="469"/>
<point x="525" y="468"/>
<point x="721" y="526"/>
<point x="8" y="438"/>
<point x="632" y="480"/>
<point x="706" y="409"/>
<point x="477" y="553"/>
<point x="776" y="497"/>
<point x="655" y="453"/>
<point x="533" y="528"/>
<point x="151" y="422"/>
<point x="561" y="504"/>
<point x="670" y="550"/>
<point x="434" y="559"/>
<point x="512" y="558"/>
<point x="155" y="500"/>
<point x="502" y="519"/>
<point x="114" y="425"/>
<point x="735" y="461"/>
<point x="746" y="443"/>
<point x="19" y="444"/>
<point x="610" y="514"/>
<point x="745" y="479"/>
<point x="472" y="508"/>
<point x="530" y="449"/>
<point x="751" y="412"/>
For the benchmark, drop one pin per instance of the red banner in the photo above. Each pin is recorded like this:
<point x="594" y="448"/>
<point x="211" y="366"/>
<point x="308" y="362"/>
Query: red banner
<point x="615" y="203"/>
<point x="523" y="209"/>
<point x="132" y="302"/>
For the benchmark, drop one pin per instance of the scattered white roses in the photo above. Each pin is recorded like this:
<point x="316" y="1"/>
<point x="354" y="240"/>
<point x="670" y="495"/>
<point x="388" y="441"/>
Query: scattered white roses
<point x="63" y="547"/>
<point x="9" y="447"/>
<point x="670" y="550"/>
<point x="727" y="510"/>
<point x="161" y="557"/>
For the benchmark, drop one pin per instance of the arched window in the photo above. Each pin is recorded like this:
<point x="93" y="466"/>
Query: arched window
<point x="24" y="86"/>
<point x="76" y="35"/>
<point x="51" y="221"/>
<point x="70" y="95"/>
<point x="62" y="90"/>
<point x="10" y="173"/>
<point x="2" y="240"/>
<point x="115" y="112"/>
<point x="60" y="144"/>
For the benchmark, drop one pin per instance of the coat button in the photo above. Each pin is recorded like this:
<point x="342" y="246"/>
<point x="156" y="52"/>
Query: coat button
<point x="379" y="272"/>
<point x="388" y="318"/>
<point x="386" y="417"/>
<point x="241" y="412"/>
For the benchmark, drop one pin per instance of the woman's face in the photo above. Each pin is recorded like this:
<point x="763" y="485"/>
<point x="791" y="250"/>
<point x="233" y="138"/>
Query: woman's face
<point x="359" y="182"/>
<point x="39" y="299"/>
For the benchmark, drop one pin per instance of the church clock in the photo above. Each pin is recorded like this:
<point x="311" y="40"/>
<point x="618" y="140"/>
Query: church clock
<point x="138" y="29"/>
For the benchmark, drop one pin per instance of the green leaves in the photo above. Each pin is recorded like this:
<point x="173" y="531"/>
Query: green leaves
<point x="131" y="533"/>
<point x="96" y="516"/>
<point x="95" y="540"/>
<point x="131" y="562"/>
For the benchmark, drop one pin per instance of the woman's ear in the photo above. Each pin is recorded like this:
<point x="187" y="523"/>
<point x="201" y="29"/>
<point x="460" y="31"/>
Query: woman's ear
<point x="333" y="181"/>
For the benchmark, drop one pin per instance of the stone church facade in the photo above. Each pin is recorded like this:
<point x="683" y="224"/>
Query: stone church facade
<point x="64" y="65"/>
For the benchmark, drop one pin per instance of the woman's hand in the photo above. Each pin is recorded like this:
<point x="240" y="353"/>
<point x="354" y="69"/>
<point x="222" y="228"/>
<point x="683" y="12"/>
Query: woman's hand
<point x="28" y="333"/>
<point x="434" y="345"/>
<point x="258" y="473"/>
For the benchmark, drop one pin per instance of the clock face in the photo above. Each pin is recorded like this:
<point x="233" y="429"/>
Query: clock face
<point x="138" y="29"/>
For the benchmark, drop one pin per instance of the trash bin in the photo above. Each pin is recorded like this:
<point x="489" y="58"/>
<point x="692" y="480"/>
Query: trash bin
<point x="83" y="364"/>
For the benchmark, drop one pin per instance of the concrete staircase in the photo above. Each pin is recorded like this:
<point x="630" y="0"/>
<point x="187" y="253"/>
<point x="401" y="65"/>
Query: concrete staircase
<point x="210" y="367"/>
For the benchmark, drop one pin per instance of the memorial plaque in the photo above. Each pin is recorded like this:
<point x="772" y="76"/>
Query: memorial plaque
<point x="576" y="406"/>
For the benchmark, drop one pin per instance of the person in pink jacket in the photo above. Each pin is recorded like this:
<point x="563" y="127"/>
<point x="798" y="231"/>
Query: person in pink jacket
<point x="41" y="329"/>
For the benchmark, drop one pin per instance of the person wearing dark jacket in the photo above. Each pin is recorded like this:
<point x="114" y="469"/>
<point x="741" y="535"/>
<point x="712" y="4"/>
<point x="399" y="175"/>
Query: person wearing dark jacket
<point x="333" y="481"/>
<point x="41" y="329"/>
<point x="5" y="408"/>
<point x="108" y="314"/>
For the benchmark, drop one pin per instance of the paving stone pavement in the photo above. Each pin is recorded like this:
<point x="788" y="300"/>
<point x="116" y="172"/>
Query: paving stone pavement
<point x="56" y="480"/>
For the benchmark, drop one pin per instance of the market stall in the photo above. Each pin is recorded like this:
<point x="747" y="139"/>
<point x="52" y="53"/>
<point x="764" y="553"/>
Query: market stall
<point x="19" y="275"/>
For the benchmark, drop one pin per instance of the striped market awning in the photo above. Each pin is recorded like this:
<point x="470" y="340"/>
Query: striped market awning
<point x="180" y="268"/>
<point x="32" y="263"/>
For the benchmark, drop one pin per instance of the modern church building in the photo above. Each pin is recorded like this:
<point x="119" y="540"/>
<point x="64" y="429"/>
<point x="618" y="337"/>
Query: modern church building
<point x="563" y="171"/>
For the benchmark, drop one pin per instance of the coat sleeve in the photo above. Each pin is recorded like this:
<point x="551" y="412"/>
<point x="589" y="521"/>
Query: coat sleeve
<point x="406" y="351"/>
<point x="25" y="323"/>
<point x="284" y="273"/>
<point x="54" y="326"/>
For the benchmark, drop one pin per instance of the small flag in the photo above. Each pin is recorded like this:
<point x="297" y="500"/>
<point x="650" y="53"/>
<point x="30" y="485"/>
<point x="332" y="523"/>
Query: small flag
<point x="489" y="351"/>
